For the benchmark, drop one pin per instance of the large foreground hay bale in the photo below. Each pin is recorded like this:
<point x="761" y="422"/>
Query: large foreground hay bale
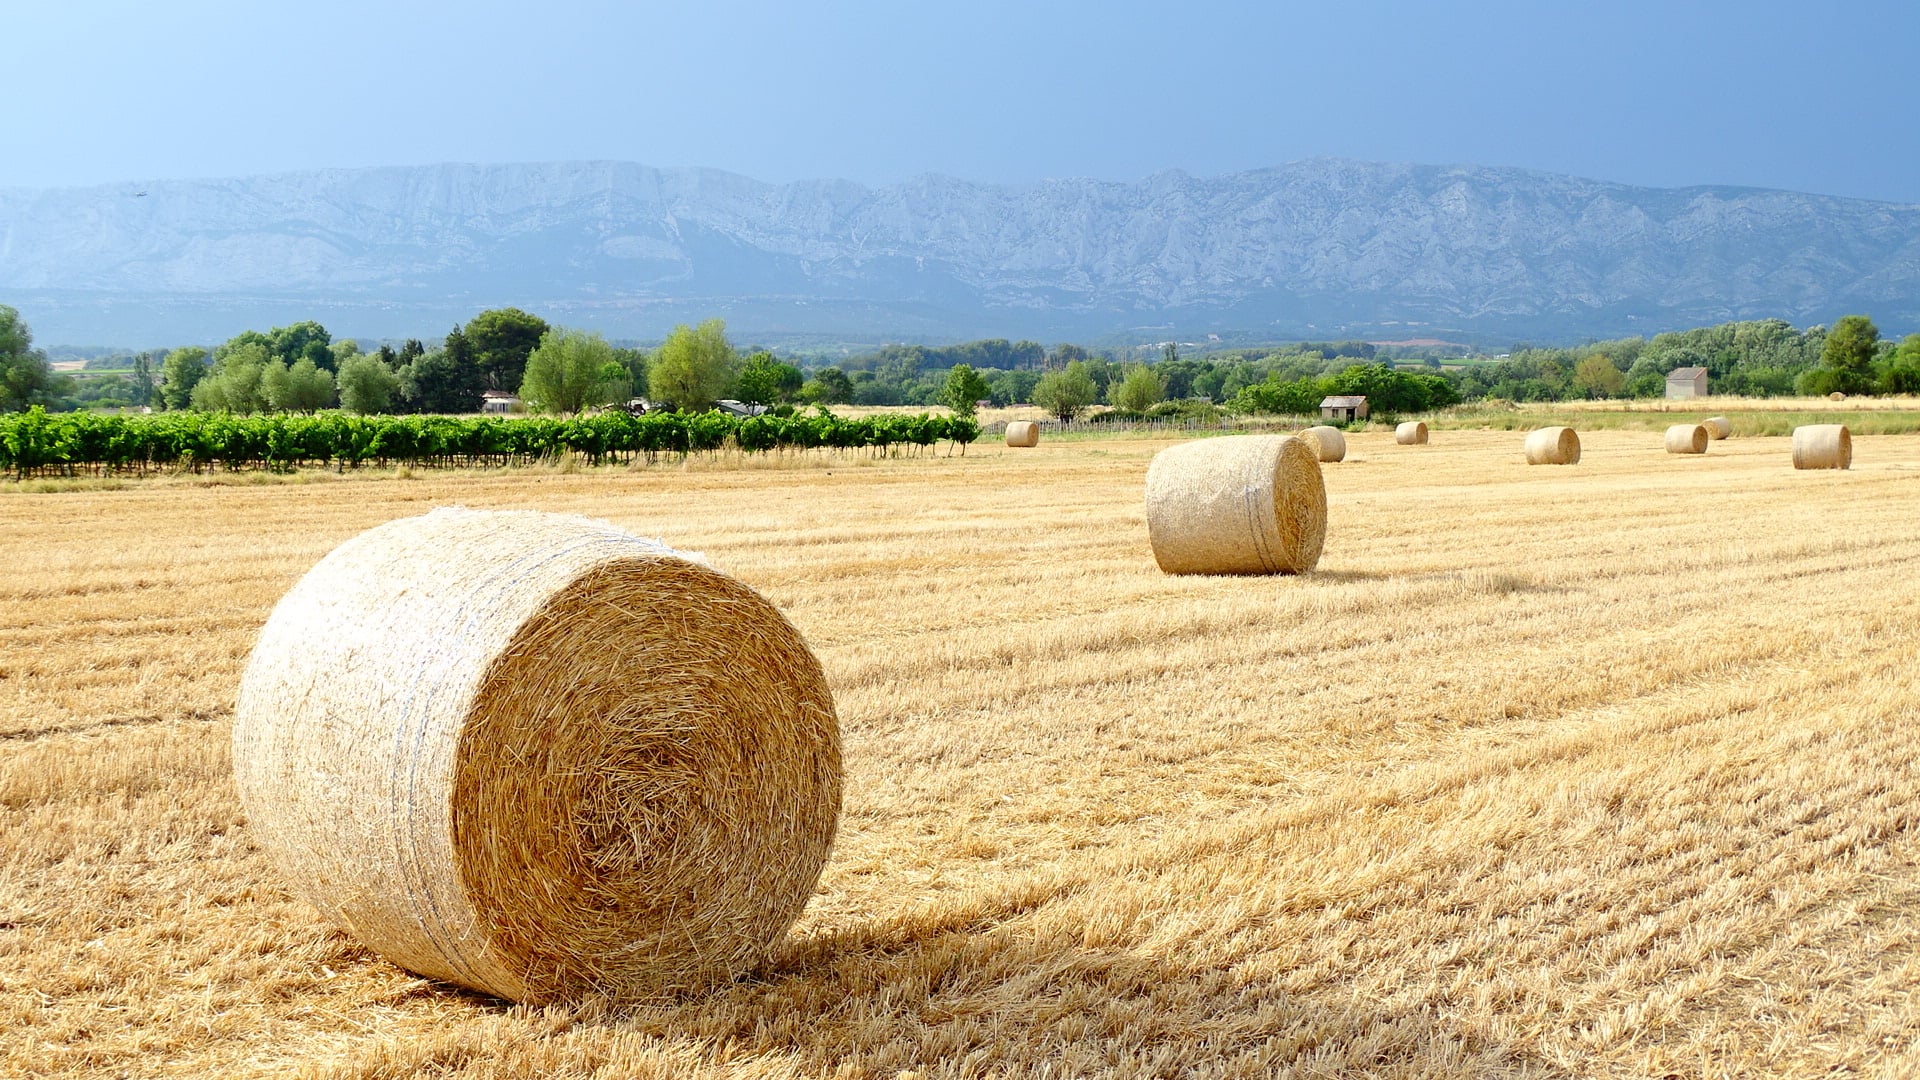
<point x="1327" y="443"/>
<point x="539" y="757"/>
<point x="1718" y="427"/>
<point x="1023" y="433"/>
<point x="1687" y="439"/>
<point x="1822" y="446"/>
<point x="1553" y="446"/>
<point x="1242" y="504"/>
<point x="1411" y="433"/>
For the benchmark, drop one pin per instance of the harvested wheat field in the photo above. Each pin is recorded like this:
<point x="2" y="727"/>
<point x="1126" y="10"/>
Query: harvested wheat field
<point x="1534" y="776"/>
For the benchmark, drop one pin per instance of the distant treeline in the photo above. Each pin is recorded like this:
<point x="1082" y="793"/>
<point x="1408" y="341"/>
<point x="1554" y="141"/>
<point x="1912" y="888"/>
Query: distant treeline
<point x="300" y="368"/>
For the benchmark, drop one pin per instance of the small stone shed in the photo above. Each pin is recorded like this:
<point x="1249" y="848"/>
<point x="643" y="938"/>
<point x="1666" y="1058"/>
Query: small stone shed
<point x="1343" y="409"/>
<point x="1686" y="382"/>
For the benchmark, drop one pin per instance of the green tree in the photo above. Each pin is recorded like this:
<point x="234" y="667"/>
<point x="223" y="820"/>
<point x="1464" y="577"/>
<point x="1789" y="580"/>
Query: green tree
<point x="302" y="386"/>
<point x="180" y="372"/>
<point x="570" y="370"/>
<point x="636" y="362"/>
<point x="1849" y="353"/>
<point x="26" y="378"/>
<point x="446" y="380"/>
<point x="342" y="351"/>
<point x="1901" y="375"/>
<point x="964" y="389"/>
<point x="829" y="386"/>
<point x="1066" y="353"/>
<point x="765" y="380"/>
<point x="1139" y="391"/>
<point x="1170" y="354"/>
<point x="142" y="384"/>
<point x="234" y="382"/>
<point x="1066" y="393"/>
<point x="367" y="384"/>
<point x="694" y="367"/>
<point x="1596" y="377"/>
<point x="503" y="340"/>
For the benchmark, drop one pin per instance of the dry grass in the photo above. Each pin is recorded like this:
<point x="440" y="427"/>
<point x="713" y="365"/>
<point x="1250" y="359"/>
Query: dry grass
<point x="1532" y="777"/>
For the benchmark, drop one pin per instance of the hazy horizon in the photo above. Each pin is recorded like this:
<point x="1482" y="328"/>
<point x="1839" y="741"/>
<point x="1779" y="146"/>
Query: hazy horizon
<point x="1039" y="180"/>
<point x="1717" y="94"/>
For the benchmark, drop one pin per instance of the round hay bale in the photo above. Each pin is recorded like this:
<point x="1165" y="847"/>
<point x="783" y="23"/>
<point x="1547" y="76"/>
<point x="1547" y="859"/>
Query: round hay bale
<point x="1718" y="427"/>
<point x="1822" y="446"/>
<point x="1687" y="439"/>
<point x="1241" y="504"/>
<point x="1553" y="446"/>
<point x="539" y="757"/>
<point x="1411" y="433"/>
<point x="1836" y="396"/>
<point x="1327" y="443"/>
<point x="1023" y="433"/>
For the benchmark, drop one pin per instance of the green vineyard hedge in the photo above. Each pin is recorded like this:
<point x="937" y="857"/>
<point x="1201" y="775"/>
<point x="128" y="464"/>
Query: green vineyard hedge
<point x="36" y="442"/>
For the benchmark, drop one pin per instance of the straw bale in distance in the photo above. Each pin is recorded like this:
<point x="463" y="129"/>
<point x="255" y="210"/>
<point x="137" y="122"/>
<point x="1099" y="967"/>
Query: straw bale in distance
<point x="538" y="756"/>
<point x="1327" y="443"/>
<point x="1822" y="446"/>
<point x="1243" y="504"/>
<point x="1687" y="439"/>
<point x="1718" y="427"/>
<point x="1023" y="433"/>
<point x="1411" y="433"/>
<point x="1836" y="396"/>
<point x="1553" y="446"/>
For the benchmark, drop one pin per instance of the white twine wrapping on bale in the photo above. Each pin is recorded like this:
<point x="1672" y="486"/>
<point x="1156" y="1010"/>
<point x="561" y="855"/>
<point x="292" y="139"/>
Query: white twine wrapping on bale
<point x="538" y="756"/>
<point x="1243" y="504"/>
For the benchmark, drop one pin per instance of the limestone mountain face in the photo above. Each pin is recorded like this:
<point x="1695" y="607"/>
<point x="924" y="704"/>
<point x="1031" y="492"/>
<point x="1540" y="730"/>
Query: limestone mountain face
<point x="1311" y="248"/>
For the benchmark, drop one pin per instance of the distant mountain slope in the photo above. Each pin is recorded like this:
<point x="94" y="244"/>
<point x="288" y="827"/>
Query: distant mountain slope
<point x="1309" y="248"/>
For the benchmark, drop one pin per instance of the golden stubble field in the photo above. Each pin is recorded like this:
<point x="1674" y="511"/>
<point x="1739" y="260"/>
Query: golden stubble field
<point x="1597" y="771"/>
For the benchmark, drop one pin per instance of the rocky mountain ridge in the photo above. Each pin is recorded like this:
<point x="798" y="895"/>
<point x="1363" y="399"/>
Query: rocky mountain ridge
<point x="1306" y="249"/>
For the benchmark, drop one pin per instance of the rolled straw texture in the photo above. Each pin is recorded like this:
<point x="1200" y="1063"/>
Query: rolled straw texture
<point x="1836" y="396"/>
<point x="1327" y="443"/>
<point x="539" y="757"/>
<point x="1241" y="504"/>
<point x="1411" y="433"/>
<point x="1718" y="427"/>
<point x="1687" y="439"/>
<point x="1553" y="446"/>
<point x="1822" y="446"/>
<point x="1023" y="433"/>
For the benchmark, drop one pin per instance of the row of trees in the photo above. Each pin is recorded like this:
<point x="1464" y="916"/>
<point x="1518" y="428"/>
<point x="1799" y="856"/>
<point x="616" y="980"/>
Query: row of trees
<point x="552" y="369"/>
<point x="299" y="368"/>
<point x="1757" y="358"/>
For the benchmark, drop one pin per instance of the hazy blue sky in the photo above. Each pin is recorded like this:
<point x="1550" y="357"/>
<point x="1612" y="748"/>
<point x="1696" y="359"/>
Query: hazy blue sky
<point x="1815" y="97"/>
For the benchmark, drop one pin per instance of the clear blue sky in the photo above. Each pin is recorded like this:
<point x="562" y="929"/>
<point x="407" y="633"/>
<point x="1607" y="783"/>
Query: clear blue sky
<point x="1812" y="97"/>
